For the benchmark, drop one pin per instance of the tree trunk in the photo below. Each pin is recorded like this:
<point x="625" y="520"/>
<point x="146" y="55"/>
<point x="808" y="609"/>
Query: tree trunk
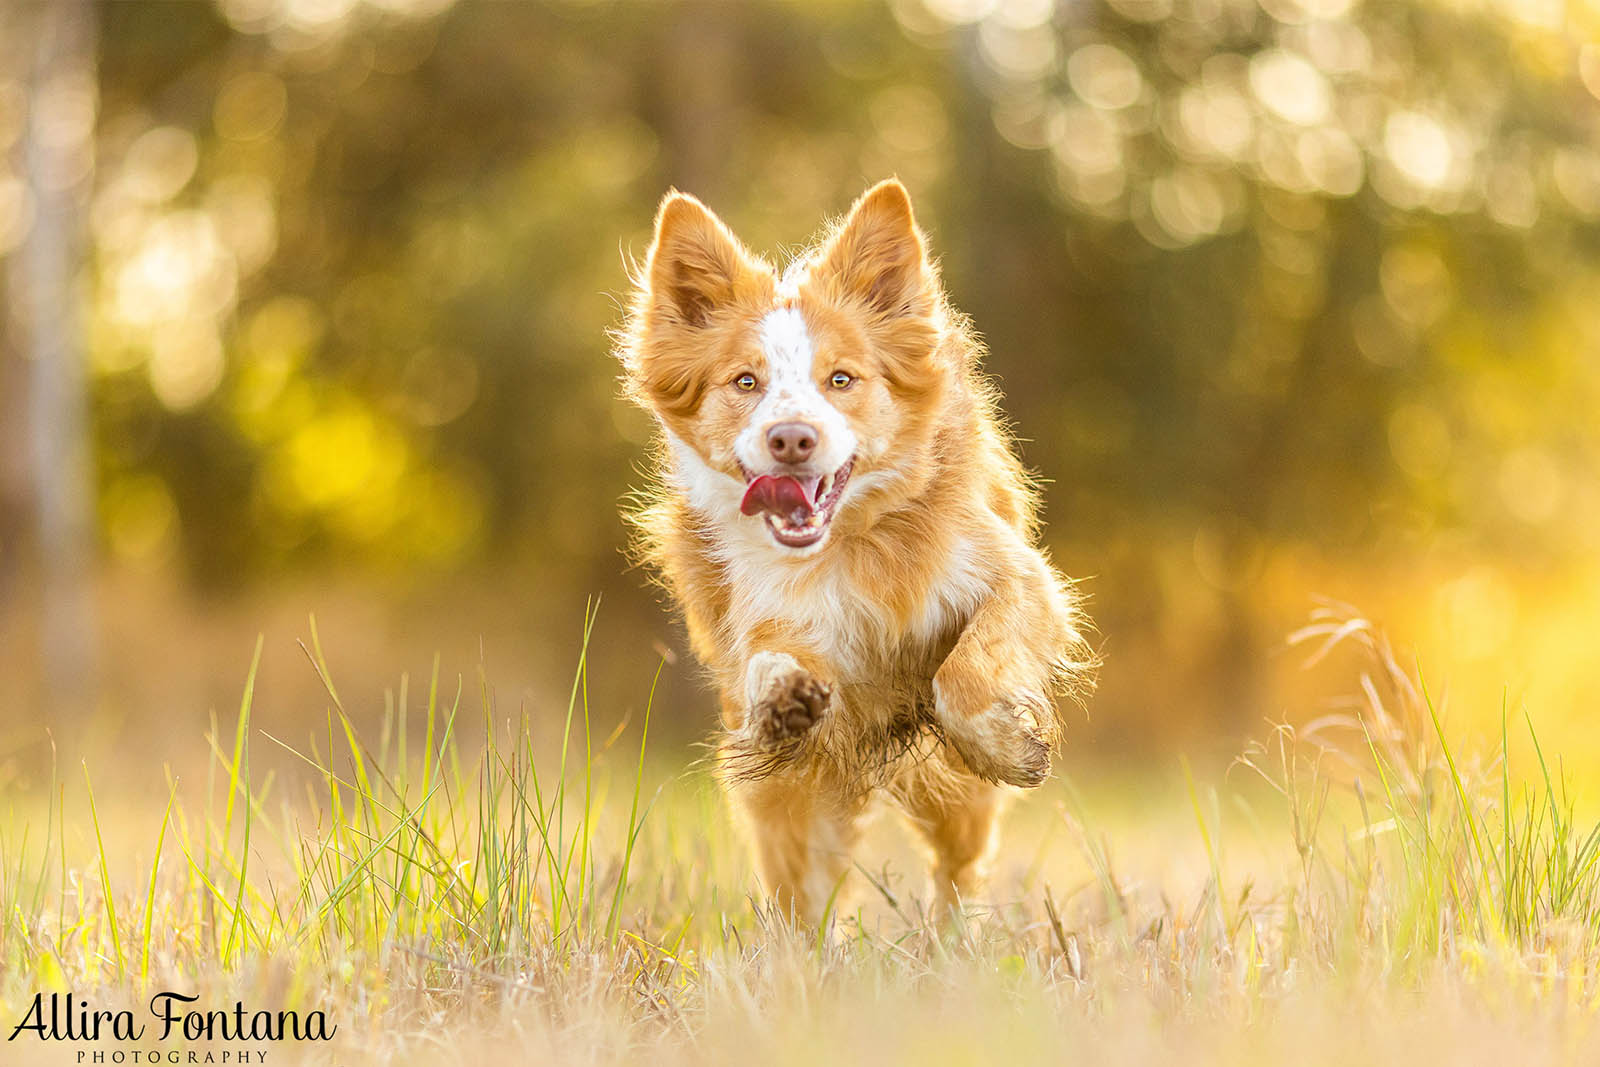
<point x="57" y="157"/>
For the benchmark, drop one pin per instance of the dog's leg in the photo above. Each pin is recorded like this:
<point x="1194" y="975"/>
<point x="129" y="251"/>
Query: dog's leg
<point x="801" y="824"/>
<point x="958" y="817"/>
<point x="803" y="829"/>
<point x="993" y="695"/>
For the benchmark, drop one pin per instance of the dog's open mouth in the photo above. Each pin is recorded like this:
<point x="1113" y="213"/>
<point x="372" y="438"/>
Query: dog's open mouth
<point x="797" y="508"/>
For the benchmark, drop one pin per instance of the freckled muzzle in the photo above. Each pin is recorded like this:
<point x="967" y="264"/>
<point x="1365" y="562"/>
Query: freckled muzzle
<point x="797" y="507"/>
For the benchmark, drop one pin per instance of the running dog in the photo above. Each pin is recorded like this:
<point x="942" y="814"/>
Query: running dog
<point x="841" y="517"/>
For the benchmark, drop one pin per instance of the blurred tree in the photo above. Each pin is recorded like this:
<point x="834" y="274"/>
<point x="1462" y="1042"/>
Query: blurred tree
<point x="57" y="154"/>
<point x="1263" y="279"/>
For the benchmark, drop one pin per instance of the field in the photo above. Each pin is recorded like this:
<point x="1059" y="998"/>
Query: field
<point x="1363" y="886"/>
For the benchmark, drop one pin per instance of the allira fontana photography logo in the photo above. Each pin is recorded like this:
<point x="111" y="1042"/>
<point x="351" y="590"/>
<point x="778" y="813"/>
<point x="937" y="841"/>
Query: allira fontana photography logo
<point x="171" y="1018"/>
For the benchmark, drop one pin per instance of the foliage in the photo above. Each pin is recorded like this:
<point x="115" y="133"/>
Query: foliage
<point x="1242" y="266"/>
<point x="1273" y="287"/>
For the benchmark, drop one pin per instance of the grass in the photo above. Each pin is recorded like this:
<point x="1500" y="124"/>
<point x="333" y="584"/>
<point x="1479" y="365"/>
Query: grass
<point x="1359" y="885"/>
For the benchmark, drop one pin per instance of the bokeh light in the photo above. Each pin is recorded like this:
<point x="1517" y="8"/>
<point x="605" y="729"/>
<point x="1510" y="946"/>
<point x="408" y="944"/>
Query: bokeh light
<point x="1287" y="297"/>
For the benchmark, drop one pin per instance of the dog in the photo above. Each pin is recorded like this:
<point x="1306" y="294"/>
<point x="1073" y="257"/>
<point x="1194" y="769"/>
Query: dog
<point x="839" y="513"/>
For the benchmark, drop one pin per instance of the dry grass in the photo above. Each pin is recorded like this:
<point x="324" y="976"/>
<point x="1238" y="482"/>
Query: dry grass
<point x="1356" y="889"/>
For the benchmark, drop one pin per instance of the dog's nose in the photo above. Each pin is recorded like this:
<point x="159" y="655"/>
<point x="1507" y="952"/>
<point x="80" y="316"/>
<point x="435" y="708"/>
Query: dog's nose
<point x="791" y="442"/>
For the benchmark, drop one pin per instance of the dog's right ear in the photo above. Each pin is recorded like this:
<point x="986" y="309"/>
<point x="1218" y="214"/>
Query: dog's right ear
<point x="696" y="265"/>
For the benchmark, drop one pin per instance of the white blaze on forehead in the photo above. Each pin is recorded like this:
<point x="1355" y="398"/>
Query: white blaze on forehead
<point x="791" y="393"/>
<point x="787" y="345"/>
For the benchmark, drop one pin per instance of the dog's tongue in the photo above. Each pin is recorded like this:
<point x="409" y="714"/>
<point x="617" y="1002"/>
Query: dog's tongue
<point x="778" y="495"/>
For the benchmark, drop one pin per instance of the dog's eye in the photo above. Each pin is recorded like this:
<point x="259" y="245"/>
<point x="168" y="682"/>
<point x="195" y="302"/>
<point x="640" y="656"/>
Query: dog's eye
<point x="840" y="380"/>
<point x="745" y="382"/>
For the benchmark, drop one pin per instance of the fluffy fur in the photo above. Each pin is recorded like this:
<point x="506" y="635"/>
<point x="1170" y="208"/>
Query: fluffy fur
<point x="918" y="648"/>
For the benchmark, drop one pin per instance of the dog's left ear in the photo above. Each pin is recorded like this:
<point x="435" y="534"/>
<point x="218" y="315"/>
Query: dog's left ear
<point x="878" y="257"/>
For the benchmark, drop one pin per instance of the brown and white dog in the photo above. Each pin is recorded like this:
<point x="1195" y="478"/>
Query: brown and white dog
<point x="843" y="521"/>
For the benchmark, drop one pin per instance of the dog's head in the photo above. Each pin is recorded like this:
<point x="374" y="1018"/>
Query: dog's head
<point x="792" y="403"/>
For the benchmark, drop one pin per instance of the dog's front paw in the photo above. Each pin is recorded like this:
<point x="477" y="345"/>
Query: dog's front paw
<point x="786" y="701"/>
<point x="1008" y="742"/>
<point x="791" y="707"/>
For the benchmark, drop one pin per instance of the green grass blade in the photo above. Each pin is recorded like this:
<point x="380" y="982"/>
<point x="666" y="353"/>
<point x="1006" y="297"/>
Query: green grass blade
<point x="150" y="893"/>
<point x="105" y="878"/>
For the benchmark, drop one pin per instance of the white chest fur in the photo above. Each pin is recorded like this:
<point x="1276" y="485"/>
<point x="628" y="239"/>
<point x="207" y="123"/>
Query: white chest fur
<point x="842" y="614"/>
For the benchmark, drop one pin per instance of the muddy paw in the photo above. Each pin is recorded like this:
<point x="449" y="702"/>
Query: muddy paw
<point x="1009" y="742"/>
<point x="792" y="704"/>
